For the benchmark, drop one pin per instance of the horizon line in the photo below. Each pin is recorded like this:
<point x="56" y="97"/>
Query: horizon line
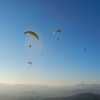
<point x="48" y="85"/>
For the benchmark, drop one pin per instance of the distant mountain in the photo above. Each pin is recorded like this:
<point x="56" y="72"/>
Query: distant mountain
<point x="38" y="91"/>
<point x="83" y="96"/>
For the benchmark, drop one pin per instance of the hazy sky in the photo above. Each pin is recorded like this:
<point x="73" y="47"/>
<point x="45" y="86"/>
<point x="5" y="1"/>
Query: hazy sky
<point x="65" y="62"/>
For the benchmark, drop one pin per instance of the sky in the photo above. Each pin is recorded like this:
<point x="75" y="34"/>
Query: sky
<point x="64" y="62"/>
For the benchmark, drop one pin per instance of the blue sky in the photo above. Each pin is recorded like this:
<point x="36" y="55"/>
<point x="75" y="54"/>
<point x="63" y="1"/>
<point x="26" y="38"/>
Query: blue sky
<point x="64" y="62"/>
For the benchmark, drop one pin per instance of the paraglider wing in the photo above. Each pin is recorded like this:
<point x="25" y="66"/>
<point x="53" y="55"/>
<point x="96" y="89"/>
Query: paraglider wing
<point x="84" y="48"/>
<point x="30" y="46"/>
<point x="33" y="34"/>
<point x="57" y="31"/>
<point x="29" y="63"/>
<point x="42" y="55"/>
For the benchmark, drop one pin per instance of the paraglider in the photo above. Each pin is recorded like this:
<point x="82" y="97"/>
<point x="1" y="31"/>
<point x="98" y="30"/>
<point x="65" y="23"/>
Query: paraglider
<point x="57" y="31"/>
<point x="85" y="49"/>
<point x="42" y="55"/>
<point x="29" y="63"/>
<point x="30" y="46"/>
<point x="33" y="34"/>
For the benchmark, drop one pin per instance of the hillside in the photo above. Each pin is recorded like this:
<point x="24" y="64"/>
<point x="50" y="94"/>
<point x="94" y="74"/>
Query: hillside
<point x="83" y="96"/>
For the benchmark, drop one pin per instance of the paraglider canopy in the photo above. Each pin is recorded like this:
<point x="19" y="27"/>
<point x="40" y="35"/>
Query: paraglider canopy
<point x="30" y="46"/>
<point x="42" y="55"/>
<point x="57" y="31"/>
<point x="29" y="63"/>
<point x="33" y="34"/>
<point x="85" y="49"/>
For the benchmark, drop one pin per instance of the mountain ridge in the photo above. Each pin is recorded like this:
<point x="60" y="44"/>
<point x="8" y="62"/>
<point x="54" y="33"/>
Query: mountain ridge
<point x="83" y="96"/>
